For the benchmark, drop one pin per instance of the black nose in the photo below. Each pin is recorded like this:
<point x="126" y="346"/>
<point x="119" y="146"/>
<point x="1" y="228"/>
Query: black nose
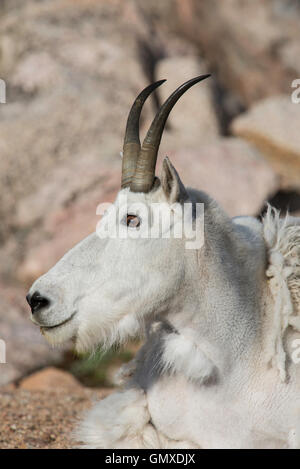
<point x="37" y="301"/>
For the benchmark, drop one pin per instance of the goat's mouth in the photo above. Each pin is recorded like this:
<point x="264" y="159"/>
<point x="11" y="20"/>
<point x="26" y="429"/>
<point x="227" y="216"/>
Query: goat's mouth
<point x="56" y="326"/>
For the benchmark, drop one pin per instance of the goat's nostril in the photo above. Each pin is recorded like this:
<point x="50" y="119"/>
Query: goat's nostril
<point x="37" y="301"/>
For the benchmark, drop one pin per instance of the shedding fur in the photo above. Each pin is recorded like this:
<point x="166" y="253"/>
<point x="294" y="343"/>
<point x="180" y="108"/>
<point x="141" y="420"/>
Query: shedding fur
<point x="283" y="242"/>
<point x="182" y="356"/>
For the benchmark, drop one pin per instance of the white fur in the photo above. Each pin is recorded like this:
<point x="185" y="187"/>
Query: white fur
<point x="120" y="416"/>
<point x="182" y="356"/>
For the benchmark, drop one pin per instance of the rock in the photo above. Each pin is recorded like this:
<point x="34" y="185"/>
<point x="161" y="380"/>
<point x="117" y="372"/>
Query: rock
<point x="230" y="170"/>
<point x="289" y="54"/>
<point x="68" y="97"/>
<point x="193" y="120"/>
<point x="43" y="419"/>
<point x="26" y="349"/>
<point x="244" y="43"/>
<point x="68" y="186"/>
<point x="273" y="126"/>
<point x="68" y="222"/>
<point x="50" y="379"/>
<point x="35" y="72"/>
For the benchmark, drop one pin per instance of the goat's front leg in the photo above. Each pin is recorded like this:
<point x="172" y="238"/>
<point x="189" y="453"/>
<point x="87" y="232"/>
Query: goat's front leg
<point x="121" y="420"/>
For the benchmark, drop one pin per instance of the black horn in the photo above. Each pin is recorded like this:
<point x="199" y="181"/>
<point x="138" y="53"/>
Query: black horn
<point x="132" y="146"/>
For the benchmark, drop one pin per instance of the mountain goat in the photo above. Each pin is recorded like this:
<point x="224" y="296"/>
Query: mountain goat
<point x="221" y="321"/>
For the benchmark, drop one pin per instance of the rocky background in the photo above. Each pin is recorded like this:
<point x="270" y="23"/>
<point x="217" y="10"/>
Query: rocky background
<point x="72" y="69"/>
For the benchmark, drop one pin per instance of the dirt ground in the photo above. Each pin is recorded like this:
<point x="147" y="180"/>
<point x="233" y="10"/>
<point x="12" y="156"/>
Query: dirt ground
<point x="42" y="419"/>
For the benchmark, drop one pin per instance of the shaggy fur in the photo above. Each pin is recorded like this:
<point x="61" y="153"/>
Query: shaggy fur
<point x="283" y="242"/>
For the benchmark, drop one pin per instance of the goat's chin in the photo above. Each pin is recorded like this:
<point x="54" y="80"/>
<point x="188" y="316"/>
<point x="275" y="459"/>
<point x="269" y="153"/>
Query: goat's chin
<point x="107" y="334"/>
<point x="60" y="334"/>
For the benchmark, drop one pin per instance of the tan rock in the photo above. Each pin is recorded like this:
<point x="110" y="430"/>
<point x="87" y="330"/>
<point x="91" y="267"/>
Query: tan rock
<point x="273" y="126"/>
<point x="193" y="121"/>
<point x="50" y="379"/>
<point x="35" y="72"/>
<point x="242" y="41"/>
<point x="67" y="223"/>
<point x="230" y="170"/>
<point x="67" y="187"/>
<point x="289" y="54"/>
<point x="69" y="97"/>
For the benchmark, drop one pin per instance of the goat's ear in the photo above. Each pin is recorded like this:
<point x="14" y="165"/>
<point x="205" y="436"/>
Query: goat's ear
<point x="171" y="183"/>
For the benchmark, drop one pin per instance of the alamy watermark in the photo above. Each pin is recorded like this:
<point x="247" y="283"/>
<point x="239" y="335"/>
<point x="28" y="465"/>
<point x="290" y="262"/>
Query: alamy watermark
<point x="152" y="221"/>
<point x="2" y="92"/>
<point x="2" y="351"/>
<point x="296" y="353"/>
<point x="295" y="96"/>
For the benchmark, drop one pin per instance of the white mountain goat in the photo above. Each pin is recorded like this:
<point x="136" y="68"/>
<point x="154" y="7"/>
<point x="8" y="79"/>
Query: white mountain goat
<point x="220" y="364"/>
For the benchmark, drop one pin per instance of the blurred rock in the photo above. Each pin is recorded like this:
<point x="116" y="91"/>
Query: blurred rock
<point x="246" y="43"/>
<point x="289" y="54"/>
<point x="50" y="379"/>
<point x="26" y="350"/>
<point x="67" y="94"/>
<point x="193" y="121"/>
<point x="35" y="72"/>
<point x="273" y="126"/>
<point x="67" y="187"/>
<point x="71" y="217"/>
<point x="230" y="170"/>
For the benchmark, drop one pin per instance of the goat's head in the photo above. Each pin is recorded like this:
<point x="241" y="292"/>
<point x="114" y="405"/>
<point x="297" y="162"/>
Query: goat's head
<point x="103" y="290"/>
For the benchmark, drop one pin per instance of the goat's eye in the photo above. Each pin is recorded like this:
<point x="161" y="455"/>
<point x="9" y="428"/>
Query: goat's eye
<point x="133" y="221"/>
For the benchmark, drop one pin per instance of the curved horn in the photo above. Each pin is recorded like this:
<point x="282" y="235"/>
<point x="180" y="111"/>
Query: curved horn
<point x="145" y="167"/>
<point x="132" y="146"/>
